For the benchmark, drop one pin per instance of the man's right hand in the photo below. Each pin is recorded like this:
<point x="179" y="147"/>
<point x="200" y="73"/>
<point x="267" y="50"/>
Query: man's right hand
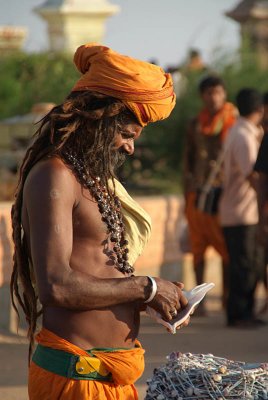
<point x="169" y="297"/>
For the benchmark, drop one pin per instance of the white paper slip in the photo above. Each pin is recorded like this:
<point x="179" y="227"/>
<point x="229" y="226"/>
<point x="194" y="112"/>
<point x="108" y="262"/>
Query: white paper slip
<point x="193" y="296"/>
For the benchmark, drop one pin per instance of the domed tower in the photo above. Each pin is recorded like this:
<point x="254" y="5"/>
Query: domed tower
<point x="74" y="22"/>
<point x="253" y="18"/>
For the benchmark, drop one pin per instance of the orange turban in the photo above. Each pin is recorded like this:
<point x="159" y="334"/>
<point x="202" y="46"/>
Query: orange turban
<point x="145" y="88"/>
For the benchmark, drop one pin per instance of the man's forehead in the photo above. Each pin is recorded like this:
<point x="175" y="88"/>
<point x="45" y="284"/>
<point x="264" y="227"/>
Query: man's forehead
<point x="214" y="89"/>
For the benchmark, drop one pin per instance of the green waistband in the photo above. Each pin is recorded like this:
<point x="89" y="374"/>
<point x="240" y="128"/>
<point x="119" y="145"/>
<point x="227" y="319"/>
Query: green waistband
<point x="62" y="363"/>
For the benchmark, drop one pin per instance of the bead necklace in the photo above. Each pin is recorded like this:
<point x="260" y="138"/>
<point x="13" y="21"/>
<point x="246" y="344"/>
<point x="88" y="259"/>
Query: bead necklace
<point x="110" y="209"/>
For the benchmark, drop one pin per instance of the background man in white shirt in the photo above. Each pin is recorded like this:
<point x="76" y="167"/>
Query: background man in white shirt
<point x="239" y="210"/>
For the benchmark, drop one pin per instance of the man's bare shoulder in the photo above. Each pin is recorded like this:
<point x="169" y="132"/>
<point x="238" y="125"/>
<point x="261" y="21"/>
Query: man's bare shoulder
<point x="50" y="174"/>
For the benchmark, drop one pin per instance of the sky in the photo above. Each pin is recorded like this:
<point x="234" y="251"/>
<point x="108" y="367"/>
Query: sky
<point x="163" y="30"/>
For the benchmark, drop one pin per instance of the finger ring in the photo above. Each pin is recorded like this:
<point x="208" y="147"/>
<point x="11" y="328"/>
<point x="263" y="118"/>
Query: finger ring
<point x="173" y="313"/>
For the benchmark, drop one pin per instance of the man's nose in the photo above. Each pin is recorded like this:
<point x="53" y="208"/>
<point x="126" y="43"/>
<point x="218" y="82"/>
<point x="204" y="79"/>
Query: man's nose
<point x="129" y="147"/>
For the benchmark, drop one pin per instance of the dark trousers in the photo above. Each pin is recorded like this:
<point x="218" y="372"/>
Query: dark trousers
<point x="244" y="270"/>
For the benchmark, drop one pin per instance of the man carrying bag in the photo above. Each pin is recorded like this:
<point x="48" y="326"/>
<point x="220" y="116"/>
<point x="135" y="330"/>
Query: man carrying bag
<point x="202" y="182"/>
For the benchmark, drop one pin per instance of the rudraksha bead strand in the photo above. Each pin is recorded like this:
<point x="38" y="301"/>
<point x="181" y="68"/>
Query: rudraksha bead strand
<point x="110" y="209"/>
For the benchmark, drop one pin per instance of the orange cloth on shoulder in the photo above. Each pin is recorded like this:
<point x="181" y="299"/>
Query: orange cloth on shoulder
<point x="126" y="367"/>
<point x="145" y="88"/>
<point x="219" y="123"/>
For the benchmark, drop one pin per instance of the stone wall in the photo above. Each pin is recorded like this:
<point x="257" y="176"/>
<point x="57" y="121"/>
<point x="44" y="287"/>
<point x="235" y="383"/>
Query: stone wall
<point x="6" y="249"/>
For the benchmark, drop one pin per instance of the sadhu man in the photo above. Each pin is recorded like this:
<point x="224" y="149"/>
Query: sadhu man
<point x="205" y="137"/>
<point x="77" y="233"/>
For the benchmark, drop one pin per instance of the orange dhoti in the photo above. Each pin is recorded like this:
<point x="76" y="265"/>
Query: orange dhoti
<point x="204" y="231"/>
<point x="116" y="371"/>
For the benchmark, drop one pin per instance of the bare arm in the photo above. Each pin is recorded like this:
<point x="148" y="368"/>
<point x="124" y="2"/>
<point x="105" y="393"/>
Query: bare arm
<point x="51" y="194"/>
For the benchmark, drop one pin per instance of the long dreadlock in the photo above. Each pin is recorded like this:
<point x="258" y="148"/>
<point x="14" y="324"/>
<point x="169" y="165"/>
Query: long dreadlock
<point x="86" y="123"/>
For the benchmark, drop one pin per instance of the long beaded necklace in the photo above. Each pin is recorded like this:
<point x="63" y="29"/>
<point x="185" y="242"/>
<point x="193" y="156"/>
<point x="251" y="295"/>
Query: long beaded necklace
<point x="110" y="209"/>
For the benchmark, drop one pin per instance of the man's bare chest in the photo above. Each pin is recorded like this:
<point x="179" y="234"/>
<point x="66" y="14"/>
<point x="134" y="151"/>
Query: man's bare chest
<point x="87" y="220"/>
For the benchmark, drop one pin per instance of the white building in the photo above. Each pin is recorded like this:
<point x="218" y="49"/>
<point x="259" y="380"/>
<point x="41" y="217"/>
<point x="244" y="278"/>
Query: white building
<point x="71" y="23"/>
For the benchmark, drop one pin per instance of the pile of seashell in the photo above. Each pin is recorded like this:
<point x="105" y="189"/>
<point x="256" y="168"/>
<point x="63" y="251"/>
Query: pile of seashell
<point x="204" y="376"/>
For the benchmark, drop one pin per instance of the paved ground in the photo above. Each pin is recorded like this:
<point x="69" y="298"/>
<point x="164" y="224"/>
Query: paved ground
<point x="203" y="335"/>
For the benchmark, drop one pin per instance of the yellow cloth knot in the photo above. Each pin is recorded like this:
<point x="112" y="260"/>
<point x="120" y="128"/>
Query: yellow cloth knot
<point x="86" y="365"/>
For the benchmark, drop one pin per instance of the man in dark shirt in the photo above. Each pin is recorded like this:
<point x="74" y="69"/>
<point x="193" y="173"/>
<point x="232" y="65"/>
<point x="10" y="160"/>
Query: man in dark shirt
<point x="261" y="167"/>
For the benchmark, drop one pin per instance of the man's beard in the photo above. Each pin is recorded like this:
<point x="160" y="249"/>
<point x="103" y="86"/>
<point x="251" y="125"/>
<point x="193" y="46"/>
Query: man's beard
<point x="118" y="157"/>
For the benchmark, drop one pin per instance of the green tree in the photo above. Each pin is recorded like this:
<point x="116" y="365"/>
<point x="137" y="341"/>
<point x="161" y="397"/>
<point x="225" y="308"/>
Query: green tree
<point x="26" y="79"/>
